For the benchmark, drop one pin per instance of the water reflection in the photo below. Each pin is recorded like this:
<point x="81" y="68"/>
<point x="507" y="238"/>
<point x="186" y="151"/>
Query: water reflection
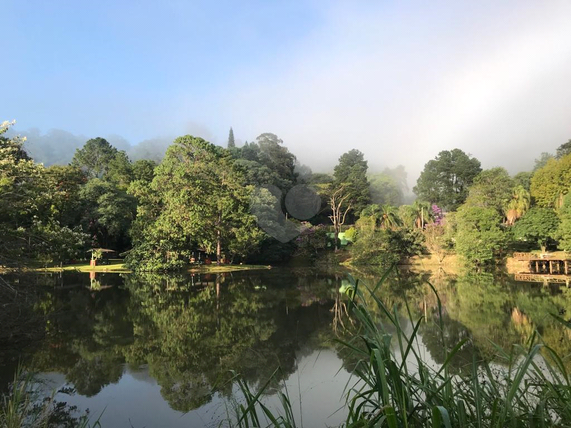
<point x="181" y="336"/>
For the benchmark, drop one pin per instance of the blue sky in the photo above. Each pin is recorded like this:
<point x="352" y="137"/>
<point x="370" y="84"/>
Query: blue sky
<point x="398" y="80"/>
<point x="127" y="67"/>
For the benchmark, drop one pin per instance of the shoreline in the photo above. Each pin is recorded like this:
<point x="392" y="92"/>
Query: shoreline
<point x="119" y="267"/>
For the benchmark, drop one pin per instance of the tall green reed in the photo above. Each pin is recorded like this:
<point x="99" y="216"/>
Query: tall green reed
<point x="25" y="406"/>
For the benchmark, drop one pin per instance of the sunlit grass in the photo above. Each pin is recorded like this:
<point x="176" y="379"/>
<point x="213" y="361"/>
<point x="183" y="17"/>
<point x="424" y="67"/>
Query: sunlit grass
<point x="117" y="266"/>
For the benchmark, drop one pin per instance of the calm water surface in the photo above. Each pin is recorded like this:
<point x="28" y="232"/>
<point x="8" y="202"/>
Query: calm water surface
<point x="156" y="351"/>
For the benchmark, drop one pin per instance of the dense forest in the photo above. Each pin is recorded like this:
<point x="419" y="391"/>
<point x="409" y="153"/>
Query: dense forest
<point x="255" y="203"/>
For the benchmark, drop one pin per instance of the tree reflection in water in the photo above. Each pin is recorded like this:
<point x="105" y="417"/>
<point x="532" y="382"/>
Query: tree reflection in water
<point x="190" y="332"/>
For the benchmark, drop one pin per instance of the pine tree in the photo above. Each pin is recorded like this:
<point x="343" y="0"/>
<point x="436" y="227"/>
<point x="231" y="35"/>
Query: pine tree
<point x="231" y="142"/>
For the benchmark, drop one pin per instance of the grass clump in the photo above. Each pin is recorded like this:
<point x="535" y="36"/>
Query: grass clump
<point x="24" y="406"/>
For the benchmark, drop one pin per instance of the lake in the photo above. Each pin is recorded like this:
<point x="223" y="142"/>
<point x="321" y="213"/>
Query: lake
<point x="154" y="350"/>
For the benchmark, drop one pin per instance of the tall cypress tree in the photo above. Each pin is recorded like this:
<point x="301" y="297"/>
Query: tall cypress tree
<point x="231" y="142"/>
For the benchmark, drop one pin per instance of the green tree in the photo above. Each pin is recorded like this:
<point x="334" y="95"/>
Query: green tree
<point x="523" y="179"/>
<point x="108" y="214"/>
<point x="538" y="225"/>
<point x="436" y="240"/>
<point x="275" y="156"/>
<point x="94" y="157"/>
<point x="491" y="188"/>
<point x="379" y="216"/>
<point x="551" y="183"/>
<point x="423" y="214"/>
<point x="198" y="199"/>
<point x="399" y="175"/>
<point x="384" y="247"/>
<point x="266" y="162"/>
<point x="385" y="189"/>
<point x="231" y="143"/>
<point x="144" y="170"/>
<point x="564" y="229"/>
<point x="119" y="171"/>
<point x="563" y="150"/>
<point x="518" y="205"/>
<point x="445" y="180"/>
<point x="479" y="235"/>
<point x="65" y="183"/>
<point x="542" y="160"/>
<point x="34" y="204"/>
<point x="351" y="174"/>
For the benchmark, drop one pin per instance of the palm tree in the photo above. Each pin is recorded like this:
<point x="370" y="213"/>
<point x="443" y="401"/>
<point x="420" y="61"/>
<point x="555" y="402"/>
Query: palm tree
<point x="389" y="218"/>
<point x="407" y="214"/>
<point x="423" y="214"/>
<point x="369" y="217"/>
<point x="517" y="205"/>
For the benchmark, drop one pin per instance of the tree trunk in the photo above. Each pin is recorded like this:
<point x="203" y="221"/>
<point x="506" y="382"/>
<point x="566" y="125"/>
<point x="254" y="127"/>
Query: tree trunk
<point x="219" y="240"/>
<point x="218" y="248"/>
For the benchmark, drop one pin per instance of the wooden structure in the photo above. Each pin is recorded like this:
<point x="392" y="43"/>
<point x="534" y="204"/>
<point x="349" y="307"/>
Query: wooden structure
<point x="544" y="279"/>
<point x="550" y="266"/>
<point x="545" y="268"/>
<point x="545" y="264"/>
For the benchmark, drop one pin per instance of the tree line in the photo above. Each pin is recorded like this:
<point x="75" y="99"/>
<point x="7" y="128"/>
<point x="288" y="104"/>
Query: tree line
<point x="199" y="199"/>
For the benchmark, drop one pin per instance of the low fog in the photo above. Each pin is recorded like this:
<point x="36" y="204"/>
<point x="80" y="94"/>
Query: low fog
<point x="400" y="82"/>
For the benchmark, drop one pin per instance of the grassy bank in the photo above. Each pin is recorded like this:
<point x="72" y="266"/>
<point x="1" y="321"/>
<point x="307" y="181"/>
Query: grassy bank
<point x="226" y="268"/>
<point x="114" y="266"/>
<point x="117" y="266"/>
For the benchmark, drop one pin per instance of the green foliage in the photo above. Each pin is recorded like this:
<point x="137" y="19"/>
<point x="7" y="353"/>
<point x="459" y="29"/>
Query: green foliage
<point x="563" y="150"/>
<point x="385" y="247"/>
<point x="445" y="180"/>
<point x="266" y="162"/>
<point x="38" y="207"/>
<point x="518" y="205"/>
<point x="538" y="225"/>
<point x="197" y="200"/>
<point x="231" y="143"/>
<point x="542" y="161"/>
<point x="491" y="188"/>
<point x="385" y="190"/>
<point x="396" y="385"/>
<point x="382" y="216"/>
<point x="479" y="234"/>
<point x="311" y="241"/>
<point x="108" y="213"/>
<point x="24" y="407"/>
<point x="523" y="179"/>
<point x="95" y="157"/>
<point x="564" y="231"/>
<point x="417" y="215"/>
<point x="144" y="170"/>
<point x="351" y="173"/>
<point x="551" y="183"/>
<point x="350" y="234"/>
<point x="437" y="241"/>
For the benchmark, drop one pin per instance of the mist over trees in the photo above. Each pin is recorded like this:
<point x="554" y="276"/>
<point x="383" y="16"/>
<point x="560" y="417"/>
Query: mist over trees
<point x="57" y="147"/>
<point x="231" y="203"/>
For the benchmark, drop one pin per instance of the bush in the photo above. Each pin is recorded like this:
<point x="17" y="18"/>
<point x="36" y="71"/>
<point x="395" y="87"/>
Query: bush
<point x="385" y="247"/>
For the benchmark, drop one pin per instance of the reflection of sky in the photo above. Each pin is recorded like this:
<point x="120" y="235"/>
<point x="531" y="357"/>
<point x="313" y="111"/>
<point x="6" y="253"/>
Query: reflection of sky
<point x="136" y="399"/>
<point x="316" y="390"/>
